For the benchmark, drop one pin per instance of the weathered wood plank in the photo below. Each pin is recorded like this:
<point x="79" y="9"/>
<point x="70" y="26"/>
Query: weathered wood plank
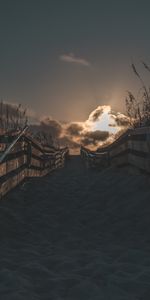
<point x="27" y="159"/>
<point x="133" y="149"/>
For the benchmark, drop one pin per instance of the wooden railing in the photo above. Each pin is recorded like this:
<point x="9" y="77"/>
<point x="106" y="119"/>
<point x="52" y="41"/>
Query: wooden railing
<point x="131" y="149"/>
<point x="94" y="159"/>
<point x="23" y="157"/>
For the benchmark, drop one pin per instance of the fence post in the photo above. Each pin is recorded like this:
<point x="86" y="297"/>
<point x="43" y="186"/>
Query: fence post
<point x="29" y="154"/>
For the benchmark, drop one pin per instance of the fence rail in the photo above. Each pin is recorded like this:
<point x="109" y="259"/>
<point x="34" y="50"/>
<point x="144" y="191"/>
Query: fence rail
<point x="131" y="149"/>
<point x="23" y="157"/>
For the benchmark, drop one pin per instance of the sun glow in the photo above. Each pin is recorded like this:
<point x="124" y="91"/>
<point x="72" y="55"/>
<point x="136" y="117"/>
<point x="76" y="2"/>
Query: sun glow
<point x="102" y="119"/>
<point x="100" y="128"/>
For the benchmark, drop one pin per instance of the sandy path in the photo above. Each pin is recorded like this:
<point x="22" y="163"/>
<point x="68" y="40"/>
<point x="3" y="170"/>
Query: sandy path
<point x="76" y="234"/>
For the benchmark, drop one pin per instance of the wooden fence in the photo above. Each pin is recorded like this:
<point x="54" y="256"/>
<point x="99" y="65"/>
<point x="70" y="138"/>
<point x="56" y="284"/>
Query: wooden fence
<point x="131" y="149"/>
<point x="26" y="158"/>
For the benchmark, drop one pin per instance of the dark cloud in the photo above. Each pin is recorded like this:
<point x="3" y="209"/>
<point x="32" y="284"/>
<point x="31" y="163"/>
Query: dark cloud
<point x="93" y="137"/>
<point x="51" y="126"/>
<point x="122" y="121"/>
<point x="74" y="129"/>
<point x="53" y="132"/>
<point x="67" y="141"/>
<point x="48" y="131"/>
<point x="97" y="114"/>
<point x="76" y="133"/>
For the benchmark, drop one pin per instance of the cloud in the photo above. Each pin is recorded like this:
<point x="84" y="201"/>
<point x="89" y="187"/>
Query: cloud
<point x="105" y="119"/>
<point x="120" y="120"/>
<point x="74" y="129"/>
<point x="67" y="141"/>
<point x="99" y="129"/>
<point x="97" y="113"/>
<point x="47" y="131"/>
<point x="71" y="58"/>
<point x="94" y="137"/>
<point x="51" y="126"/>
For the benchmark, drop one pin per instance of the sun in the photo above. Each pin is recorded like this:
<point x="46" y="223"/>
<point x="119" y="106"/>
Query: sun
<point x="102" y="119"/>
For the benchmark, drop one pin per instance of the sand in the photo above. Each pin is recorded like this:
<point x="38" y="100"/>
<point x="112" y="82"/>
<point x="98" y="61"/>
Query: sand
<point x="76" y="234"/>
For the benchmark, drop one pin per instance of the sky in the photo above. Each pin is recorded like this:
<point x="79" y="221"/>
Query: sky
<point x="64" y="58"/>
